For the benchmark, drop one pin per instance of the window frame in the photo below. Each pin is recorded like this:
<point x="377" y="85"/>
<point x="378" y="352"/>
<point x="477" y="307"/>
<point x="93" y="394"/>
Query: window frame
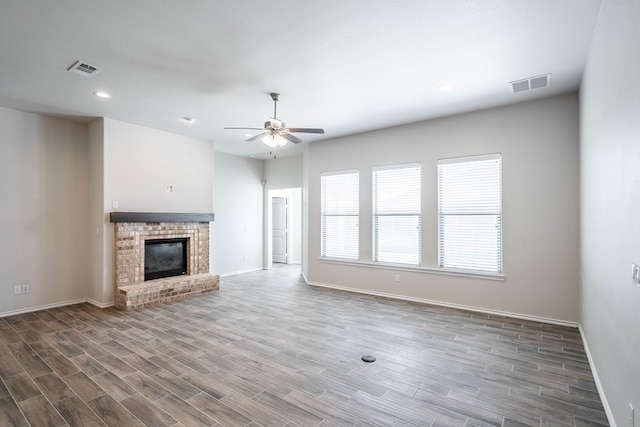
<point x="348" y="213"/>
<point x="484" y="210"/>
<point x="416" y="260"/>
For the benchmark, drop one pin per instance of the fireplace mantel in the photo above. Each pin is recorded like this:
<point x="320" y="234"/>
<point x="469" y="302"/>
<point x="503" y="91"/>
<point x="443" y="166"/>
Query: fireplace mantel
<point x="160" y="217"/>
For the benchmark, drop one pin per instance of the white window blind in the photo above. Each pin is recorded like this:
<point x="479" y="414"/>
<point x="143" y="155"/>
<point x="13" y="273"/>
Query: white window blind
<point x="396" y="214"/>
<point x="340" y="210"/>
<point x="470" y="213"/>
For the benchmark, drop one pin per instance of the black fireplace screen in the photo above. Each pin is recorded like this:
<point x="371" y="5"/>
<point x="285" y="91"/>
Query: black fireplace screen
<point x="165" y="258"/>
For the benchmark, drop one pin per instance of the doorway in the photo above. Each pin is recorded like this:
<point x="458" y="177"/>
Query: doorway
<point x="279" y="230"/>
<point x="283" y="238"/>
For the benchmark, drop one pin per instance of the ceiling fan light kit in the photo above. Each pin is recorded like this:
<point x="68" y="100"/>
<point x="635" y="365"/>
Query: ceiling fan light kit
<point x="274" y="141"/>
<point x="275" y="133"/>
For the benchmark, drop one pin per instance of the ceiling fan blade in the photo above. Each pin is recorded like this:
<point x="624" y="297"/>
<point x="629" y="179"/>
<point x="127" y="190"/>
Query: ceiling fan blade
<point x="291" y="138"/>
<point x="253" y="138"/>
<point x="246" y="128"/>
<point x="305" y="130"/>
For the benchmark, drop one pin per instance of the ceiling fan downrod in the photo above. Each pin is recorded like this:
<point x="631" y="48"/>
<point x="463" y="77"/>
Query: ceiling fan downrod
<point x="275" y="97"/>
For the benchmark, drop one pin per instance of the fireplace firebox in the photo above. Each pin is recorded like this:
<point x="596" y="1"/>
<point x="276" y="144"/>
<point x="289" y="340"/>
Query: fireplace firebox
<point x="165" y="258"/>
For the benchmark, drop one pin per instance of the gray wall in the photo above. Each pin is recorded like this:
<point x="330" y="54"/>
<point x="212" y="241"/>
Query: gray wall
<point x="539" y="145"/>
<point x="237" y="237"/>
<point x="283" y="172"/>
<point x="100" y="291"/>
<point x="44" y="211"/>
<point x="610" y="205"/>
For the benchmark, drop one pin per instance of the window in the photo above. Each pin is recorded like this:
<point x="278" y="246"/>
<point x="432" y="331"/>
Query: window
<point x="470" y="213"/>
<point x="340" y="210"/>
<point x="396" y="214"/>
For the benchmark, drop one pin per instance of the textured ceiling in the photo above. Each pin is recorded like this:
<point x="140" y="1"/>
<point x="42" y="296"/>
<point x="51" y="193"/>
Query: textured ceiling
<point x="348" y="66"/>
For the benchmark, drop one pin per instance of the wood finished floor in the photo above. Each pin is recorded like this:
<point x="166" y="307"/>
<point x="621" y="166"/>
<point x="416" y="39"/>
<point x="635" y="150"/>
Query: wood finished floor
<point x="267" y="350"/>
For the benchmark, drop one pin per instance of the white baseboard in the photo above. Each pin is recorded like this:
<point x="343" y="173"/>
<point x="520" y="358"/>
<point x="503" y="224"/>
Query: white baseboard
<point x="100" y="304"/>
<point x="450" y="305"/>
<point x="233" y="273"/>
<point x="596" y="379"/>
<point x="42" y="307"/>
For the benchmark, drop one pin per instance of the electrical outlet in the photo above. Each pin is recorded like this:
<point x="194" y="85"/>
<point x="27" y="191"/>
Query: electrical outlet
<point x="26" y="289"/>
<point x="17" y="290"/>
<point x="635" y="274"/>
<point x="397" y="277"/>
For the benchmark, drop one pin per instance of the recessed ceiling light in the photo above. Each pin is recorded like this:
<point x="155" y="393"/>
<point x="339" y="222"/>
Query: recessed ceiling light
<point x="247" y="135"/>
<point x="445" y="88"/>
<point x="102" y="94"/>
<point x="188" y="120"/>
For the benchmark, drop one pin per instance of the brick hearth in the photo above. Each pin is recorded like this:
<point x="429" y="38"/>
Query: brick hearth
<point x="132" y="291"/>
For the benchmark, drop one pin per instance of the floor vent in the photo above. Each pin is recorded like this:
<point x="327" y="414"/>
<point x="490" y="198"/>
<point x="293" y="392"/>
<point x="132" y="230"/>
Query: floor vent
<point x="84" y="69"/>
<point x="530" y="83"/>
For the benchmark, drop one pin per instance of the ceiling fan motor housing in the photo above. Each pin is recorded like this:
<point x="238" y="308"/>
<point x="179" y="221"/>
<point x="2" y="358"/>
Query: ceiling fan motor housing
<point x="274" y="124"/>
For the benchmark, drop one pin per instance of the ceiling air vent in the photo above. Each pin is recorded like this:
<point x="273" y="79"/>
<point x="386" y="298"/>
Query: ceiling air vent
<point x="530" y="83"/>
<point x="84" y="69"/>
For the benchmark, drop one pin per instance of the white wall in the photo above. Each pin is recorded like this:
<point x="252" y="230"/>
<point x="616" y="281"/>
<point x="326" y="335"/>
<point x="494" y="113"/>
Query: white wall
<point x="237" y="237"/>
<point x="44" y="215"/>
<point x="283" y="178"/>
<point x="610" y="206"/>
<point x="539" y="145"/>
<point x="138" y="163"/>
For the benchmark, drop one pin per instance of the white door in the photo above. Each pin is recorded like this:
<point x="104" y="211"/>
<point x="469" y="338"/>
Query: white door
<point x="279" y="225"/>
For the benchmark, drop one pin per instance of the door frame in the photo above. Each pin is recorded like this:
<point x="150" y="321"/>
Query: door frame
<point x="294" y="219"/>
<point x="287" y="224"/>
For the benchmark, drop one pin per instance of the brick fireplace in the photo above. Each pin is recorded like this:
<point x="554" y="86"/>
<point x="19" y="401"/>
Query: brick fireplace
<point x="132" y="229"/>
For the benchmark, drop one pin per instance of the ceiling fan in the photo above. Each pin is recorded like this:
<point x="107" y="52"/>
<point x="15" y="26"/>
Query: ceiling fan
<point x="275" y="133"/>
